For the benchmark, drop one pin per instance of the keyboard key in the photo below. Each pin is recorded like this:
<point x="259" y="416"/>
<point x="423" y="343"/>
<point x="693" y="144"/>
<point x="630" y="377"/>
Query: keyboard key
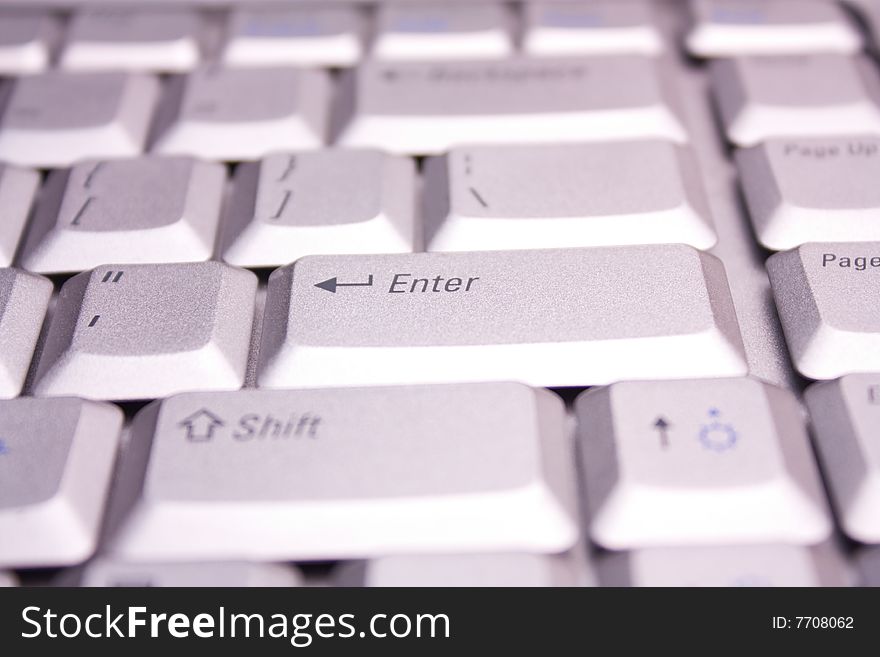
<point x="109" y="573"/>
<point x="26" y="40"/>
<point x="347" y="473"/>
<point x="143" y="331"/>
<point x="7" y="579"/>
<point x="56" y="460"/>
<point x="18" y="187"/>
<point x="742" y="565"/>
<point x="845" y="415"/>
<point x="812" y="190"/>
<point x="868" y="565"/>
<point x="160" y="41"/>
<point x="54" y="119"/>
<point x="324" y="36"/>
<point x="701" y="462"/>
<point x="425" y="108"/>
<point x="536" y="317"/>
<point x="147" y="209"/>
<point x="598" y="27"/>
<point x="800" y="96"/>
<point x="470" y="570"/>
<point x="289" y="205"/>
<point x="729" y="28"/>
<point x="437" y="31"/>
<point x="530" y="197"/>
<point x="243" y="114"/>
<point x="24" y="299"/>
<point x="826" y="294"/>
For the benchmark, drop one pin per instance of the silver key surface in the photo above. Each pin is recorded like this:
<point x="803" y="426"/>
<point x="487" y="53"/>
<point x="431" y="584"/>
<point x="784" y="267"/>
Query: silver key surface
<point x="701" y="462"/>
<point x="732" y="566"/>
<point x="120" y="39"/>
<point x="845" y="415"/>
<point x="26" y="40"/>
<point x="353" y="473"/>
<point x="594" y="27"/>
<point x="560" y="317"/>
<point x="438" y="31"/>
<point x="812" y="190"/>
<point x="18" y="187"/>
<point x="540" y="196"/>
<point x="56" y="460"/>
<point x="234" y="114"/>
<point x="826" y="295"/>
<point x="727" y="28"/>
<point x="763" y="98"/>
<point x="24" y="299"/>
<point x="55" y="119"/>
<point x="336" y="201"/>
<point x="103" y="572"/>
<point x="282" y="36"/>
<point x="138" y="210"/>
<point x="483" y="570"/>
<point x="424" y="108"/>
<point x="145" y="331"/>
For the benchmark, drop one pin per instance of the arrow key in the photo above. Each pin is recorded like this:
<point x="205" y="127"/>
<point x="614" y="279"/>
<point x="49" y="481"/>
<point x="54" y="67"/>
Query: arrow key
<point x="698" y="462"/>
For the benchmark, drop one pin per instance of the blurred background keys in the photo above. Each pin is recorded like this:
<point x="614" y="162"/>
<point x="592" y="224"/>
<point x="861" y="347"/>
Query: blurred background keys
<point x="124" y="332"/>
<point x="826" y="295"/>
<point x="24" y="299"/>
<point x="289" y="205"/>
<point x="26" y="40"/>
<point x="54" y="119"/>
<point x="154" y="39"/>
<point x="238" y="114"/>
<point x="103" y="572"/>
<point x="146" y="209"/>
<point x="56" y="461"/>
<point x="542" y="196"/>
<point x="295" y="36"/>
<point x="846" y="414"/>
<point x="727" y="28"/>
<point x="347" y="473"/>
<point x="702" y="462"/>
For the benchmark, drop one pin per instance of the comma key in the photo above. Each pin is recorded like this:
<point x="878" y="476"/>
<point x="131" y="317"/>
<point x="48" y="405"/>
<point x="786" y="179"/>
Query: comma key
<point x="460" y="468"/>
<point x="826" y="295"/>
<point x="563" y="317"/>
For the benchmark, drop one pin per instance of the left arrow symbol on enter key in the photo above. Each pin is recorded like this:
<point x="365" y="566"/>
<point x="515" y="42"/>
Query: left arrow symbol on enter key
<point x="331" y="284"/>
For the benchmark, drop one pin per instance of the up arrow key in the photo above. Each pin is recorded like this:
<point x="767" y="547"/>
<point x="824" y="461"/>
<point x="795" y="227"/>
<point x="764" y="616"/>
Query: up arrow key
<point x="330" y="284"/>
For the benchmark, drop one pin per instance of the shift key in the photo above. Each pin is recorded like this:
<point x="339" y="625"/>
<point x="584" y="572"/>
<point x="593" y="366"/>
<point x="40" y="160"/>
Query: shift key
<point x="556" y="317"/>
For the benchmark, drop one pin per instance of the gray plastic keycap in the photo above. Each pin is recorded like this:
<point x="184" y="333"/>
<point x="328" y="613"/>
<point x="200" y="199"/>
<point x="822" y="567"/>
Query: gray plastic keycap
<point x="55" y="119"/>
<point x="812" y="190"/>
<point x="546" y="317"/>
<point x="56" y="460"/>
<point x="292" y="204"/>
<point x="145" y="331"/>
<point x="18" y="187"/>
<point x="429" y="107"/>
<point x="104" y="572"/>
<point x="701" y="462"/>
<point x="733" y="566"/>
<point x="138" y="210"/>
<point x="554" y="196"/>
<point x="234" y="114"/>
<point x="26" y="40"/>
<point x="24" y="299"/>
<point x="349" y="473"/>
<point x="826" y="294"/>
<point x="845" y="415"/>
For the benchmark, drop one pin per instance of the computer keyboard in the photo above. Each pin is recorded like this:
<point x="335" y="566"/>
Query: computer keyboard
<point x="527" y="293"/>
